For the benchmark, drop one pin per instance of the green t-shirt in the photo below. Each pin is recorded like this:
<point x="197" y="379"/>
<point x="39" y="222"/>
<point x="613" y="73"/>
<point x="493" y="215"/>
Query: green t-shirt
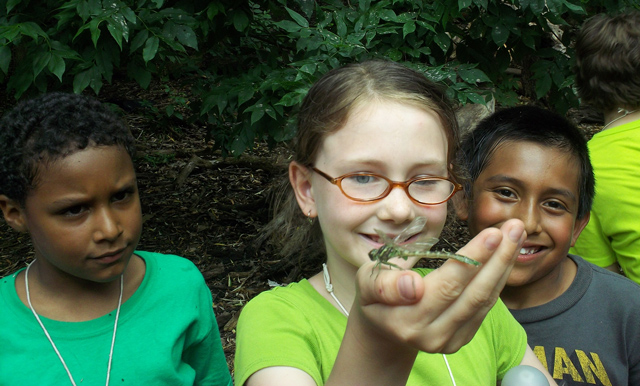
<point x="167" y="335"/>
<point x="613" y="232"/>
<point x="295" y="326"/>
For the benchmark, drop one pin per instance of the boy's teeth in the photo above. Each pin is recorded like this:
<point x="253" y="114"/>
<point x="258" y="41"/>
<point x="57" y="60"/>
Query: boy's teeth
<point x="527" y="251"/>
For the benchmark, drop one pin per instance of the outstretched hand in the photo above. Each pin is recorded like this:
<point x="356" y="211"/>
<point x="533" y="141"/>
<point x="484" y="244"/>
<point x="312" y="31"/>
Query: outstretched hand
<point x="441" y="312"/>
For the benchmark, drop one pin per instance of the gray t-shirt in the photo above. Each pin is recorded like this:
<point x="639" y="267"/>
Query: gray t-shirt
<point x="589" y="335"/>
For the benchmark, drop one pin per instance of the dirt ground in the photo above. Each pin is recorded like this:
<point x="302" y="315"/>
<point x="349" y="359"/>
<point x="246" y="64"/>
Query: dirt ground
<point x="209" y="209"/>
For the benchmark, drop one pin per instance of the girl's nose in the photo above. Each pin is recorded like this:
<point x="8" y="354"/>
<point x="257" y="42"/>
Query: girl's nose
<point x="397" y="207"/>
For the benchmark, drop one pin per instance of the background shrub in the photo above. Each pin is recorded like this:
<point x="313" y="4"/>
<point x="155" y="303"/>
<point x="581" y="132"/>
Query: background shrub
<point x="248" y="64"/>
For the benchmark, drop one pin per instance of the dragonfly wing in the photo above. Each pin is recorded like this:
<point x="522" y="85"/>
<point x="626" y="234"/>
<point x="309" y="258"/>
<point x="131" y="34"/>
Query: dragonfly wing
<point x="383" y="236"/>
<point x="423" y="244"/>
<point x="413" y="228"/>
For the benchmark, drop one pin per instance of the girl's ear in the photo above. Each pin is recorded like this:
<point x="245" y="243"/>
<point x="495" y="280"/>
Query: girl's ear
<point x="461" y="206"/>
<point x="300" y="178"/>
<point x="13" y="213"/>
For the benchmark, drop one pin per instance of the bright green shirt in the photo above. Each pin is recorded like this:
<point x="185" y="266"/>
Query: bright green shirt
<point x="295" y="326"/>
<point x="613" y="232"/>
<point x="167" y="335"/>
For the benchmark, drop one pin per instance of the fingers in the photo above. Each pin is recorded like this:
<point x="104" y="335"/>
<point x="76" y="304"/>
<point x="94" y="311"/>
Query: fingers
<point x="388" y="286"/>
<point x="483" y="290"/>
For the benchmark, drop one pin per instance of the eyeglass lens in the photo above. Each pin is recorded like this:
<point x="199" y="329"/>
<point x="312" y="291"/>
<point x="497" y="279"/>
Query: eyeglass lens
<point x="368" y="187"/>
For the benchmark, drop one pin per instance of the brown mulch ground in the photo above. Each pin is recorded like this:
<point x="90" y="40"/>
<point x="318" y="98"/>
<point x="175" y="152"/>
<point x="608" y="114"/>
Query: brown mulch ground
<point x="209" y="209"/>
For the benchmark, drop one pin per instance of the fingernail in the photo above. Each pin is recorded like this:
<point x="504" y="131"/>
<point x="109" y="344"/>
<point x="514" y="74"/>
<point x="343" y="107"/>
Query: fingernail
<point x="515" y="233"/>
<point x="406" y="287"/>
<point x="492" y="242"/>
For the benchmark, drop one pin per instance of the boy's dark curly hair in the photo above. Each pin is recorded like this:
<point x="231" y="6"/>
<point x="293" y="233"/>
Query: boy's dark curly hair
<point x="50" y="127"/>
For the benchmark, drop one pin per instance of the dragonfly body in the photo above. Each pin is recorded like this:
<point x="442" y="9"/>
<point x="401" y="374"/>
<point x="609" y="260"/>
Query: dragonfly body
<point x="386" y="252"/>
<point x="419" y="248"/>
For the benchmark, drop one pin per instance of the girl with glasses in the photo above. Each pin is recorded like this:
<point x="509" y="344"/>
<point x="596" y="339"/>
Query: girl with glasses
<point x="375" y="150"/>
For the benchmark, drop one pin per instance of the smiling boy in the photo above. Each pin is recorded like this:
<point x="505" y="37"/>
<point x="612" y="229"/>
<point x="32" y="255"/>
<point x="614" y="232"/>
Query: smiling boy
<point x="531" y="164"/>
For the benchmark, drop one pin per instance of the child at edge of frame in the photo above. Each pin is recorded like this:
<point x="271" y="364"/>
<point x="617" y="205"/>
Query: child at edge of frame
<point x="607" y="70"/>
<point x="91" y="309"/>
<point x="375" y="150"/>
<point x="581" y="320"/>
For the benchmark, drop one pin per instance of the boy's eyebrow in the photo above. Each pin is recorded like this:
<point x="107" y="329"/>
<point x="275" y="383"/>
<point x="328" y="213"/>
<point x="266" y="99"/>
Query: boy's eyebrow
<point x="131" y="184"/>
<point x="555" y="191"/>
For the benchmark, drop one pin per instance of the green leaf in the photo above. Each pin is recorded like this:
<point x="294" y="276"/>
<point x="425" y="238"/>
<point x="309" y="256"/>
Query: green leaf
<point x="40" y="61"/>
<point x="240" y="20"/>
<point x="270" y="111"/>
<point x="388" y="15"/>
<point x="57" y="66"/>
<point x="20" y="81"/>
<point x="307" y="6"/>
<point x="245" y="94"/>
<point x="476" y="98"/>
<point x="537" y="6"/>
<point x="473" y="76"/>
<point x="140" y="74"/>
<point x="186" y="36"/>
<point x="340" y="23"/>
<point x="116" y="33"/>
<point x="11" y="4"/>
<point x="298" y="18"/>
<point x="139" y="40"/>
<point x="543" y="85"/>
<point x="309" y="68"/>
<point x="150" y="49"/>
<point x="82" y="80"/>
<point x="32" y="30"/>
<point x="5" y="59"/>
<point x="408" y="27"/>
<point x="462" y="4"/>
<point x="257" y="114"/>
<point x="129" y="15"/>
<point x="443" y="41"/>
<point x="579" y="9"/>
<point x="288" y="26"/>
<point x="500" y="34"/>
<point x="292" y="98"/>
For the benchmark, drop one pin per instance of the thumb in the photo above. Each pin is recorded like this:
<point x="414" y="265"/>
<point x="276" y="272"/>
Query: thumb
<point x="375" y="284"/>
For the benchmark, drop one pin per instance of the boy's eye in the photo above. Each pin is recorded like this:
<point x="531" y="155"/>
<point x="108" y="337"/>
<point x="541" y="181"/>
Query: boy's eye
<point x="123" y="195"/>
<point x="556" y="205"/>
<point x="73" y="211"/>
<point x="505" y="193"/>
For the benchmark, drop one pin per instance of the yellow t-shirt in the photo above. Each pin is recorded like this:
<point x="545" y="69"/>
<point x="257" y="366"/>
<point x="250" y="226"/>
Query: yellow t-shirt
<point x="613" y="232"/>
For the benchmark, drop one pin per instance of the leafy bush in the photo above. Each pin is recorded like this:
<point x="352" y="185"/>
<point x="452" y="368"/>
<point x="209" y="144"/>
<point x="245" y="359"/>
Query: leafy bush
<point x="250" y="63"/>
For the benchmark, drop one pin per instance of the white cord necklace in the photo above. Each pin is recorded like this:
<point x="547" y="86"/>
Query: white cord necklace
<point x="329" y="287"/>
<point x="115" y="326"/>
<point x="627" y="112"/>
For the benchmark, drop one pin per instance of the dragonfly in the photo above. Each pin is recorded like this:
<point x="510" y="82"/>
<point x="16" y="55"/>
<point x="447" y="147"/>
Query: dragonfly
<point x="420" y="248"/>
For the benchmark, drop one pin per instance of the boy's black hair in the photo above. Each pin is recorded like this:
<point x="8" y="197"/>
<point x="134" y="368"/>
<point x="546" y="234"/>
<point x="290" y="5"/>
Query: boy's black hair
<point x="527" y="124"/>
<point x="50" y="127"/>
